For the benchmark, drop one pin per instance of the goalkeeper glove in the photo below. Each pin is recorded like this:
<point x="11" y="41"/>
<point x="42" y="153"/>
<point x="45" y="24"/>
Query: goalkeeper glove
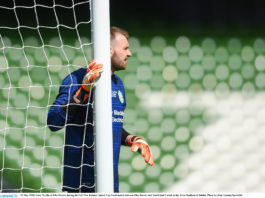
<point x="138" y="144"/>
<point x="93" y="73"/>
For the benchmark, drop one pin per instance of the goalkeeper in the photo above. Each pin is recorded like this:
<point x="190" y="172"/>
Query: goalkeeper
<point x="73" y="109"/>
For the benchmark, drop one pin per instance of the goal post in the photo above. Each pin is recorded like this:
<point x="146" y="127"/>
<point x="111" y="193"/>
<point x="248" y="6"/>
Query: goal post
<point x="103" y="105"/>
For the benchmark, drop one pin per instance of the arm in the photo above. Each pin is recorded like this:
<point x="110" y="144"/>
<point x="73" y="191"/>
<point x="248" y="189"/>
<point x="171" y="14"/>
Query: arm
<point x="137" y="144"/>
<point x="57" y="117"/>
<point x="70" y="96"/>
<point x="124" y="135"/>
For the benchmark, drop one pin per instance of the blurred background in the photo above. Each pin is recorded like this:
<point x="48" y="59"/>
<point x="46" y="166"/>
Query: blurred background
<point x="194" y="89"/>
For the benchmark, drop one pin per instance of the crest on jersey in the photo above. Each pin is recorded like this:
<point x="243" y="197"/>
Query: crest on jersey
<point x="121" y="97"/>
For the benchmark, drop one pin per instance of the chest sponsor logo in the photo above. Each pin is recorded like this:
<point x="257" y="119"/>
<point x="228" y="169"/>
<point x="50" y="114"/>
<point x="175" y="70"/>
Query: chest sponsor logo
<point x="115" y="117"/>
<point x="118" y="113"/>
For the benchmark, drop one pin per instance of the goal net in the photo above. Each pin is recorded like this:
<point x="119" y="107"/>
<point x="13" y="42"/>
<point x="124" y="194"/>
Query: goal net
<point x="41" y="42"/>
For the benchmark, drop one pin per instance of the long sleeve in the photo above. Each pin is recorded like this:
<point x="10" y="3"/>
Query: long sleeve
<point x="57" y="117"/>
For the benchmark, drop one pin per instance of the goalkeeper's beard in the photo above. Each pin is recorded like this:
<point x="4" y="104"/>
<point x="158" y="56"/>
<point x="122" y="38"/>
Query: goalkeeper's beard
<point x="119" y="65"/>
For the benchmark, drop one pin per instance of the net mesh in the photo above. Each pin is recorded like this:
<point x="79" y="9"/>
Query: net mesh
<point x="198" y="101"/>
<point x="41" y="42"/>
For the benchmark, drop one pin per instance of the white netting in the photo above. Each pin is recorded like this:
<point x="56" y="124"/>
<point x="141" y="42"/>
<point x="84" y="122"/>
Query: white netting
<point x="41" y="42"/>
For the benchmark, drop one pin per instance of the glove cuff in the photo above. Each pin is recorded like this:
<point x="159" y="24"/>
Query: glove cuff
<point x="81" y="95"/>
<point x="75" y="103"/>
<point x="131" y="139"/>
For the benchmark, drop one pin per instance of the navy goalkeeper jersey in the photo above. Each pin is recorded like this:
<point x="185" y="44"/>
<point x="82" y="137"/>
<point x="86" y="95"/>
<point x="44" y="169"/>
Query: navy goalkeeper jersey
<point x="79" y="162"/>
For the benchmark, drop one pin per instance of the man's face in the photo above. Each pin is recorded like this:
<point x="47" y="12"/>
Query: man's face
<point x="119" y="52"/>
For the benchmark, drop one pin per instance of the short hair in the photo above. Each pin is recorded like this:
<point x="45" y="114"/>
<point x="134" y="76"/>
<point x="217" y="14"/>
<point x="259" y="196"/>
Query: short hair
<point x="114" y="30"/>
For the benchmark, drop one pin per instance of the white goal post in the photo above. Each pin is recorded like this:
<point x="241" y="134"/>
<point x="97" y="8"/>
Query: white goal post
<point x="103" y="105"/>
